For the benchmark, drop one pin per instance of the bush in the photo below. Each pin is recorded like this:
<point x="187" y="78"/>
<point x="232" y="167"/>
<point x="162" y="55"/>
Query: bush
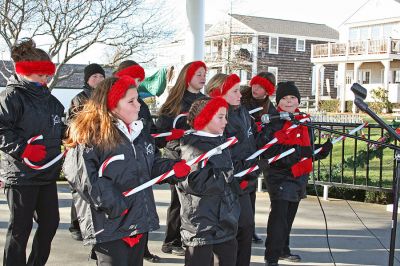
<point x="381" y="102"/>
<point x="349" y="106"/>
<point x="331" y="106"/>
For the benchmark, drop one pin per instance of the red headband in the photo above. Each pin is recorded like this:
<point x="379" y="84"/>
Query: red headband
<point x="268" y="86"/>
<point x="208" y="112"/>
<point x="230" y="81"/>
<point x="192" y="69"/>
<point x="28" y="68"/>
<point x="118" y="91"/>
<point x="134" y="71"/>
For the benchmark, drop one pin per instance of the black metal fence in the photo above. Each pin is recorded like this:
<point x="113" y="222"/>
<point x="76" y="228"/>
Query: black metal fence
<point x="355" y="164"/>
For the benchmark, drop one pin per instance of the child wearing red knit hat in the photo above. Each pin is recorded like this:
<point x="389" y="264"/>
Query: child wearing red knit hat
<point x="186" y="90"/>
<point x="243" y="127"/>
<point x="108" y="126"/>
<point x="27" y="110"/>
<point x="254" y="96"/>
<point x="210" y="206"/>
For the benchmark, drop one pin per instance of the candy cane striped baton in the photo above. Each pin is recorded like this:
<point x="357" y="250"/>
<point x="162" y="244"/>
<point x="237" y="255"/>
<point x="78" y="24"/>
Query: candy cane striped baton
<point x="48" y="164"/>
<point x="270" y="160"/>
<point x="103" y="166"/>
<point x="255" y="110"/>
<point x="166" y="134"/>
<point x="216" y="150"/>
<point x="351" y="132"/>
<point x="273" y="141"/>
<point x="177" y="118"/>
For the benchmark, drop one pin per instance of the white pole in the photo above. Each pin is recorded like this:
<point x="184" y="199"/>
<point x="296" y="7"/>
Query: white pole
<point x="194" y="41"/>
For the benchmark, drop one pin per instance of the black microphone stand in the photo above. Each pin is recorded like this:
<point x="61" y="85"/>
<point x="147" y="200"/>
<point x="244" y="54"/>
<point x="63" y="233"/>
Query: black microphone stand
<point x="360" y="94"/>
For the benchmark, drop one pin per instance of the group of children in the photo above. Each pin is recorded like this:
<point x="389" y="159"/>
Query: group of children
<point x="110" y="151"/>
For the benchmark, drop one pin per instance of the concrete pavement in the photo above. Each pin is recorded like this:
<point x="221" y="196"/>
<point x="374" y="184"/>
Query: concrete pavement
<point x="350" y="241"/>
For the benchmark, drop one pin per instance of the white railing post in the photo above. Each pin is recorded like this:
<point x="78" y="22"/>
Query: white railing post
<point x="325" y="195"/>
<point x="259" y="184"/>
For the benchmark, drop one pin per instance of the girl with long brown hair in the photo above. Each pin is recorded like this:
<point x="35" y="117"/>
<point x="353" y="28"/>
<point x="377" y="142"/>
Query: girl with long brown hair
<point x="186" y="90"/>
<point x="108" y="126"/>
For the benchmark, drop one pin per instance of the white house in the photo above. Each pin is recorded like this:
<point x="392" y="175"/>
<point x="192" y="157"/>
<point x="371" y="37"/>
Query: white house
<point x="368" y="51"/>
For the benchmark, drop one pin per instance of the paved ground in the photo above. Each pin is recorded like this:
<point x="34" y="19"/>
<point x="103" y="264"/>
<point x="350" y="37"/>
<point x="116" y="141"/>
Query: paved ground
<point x="351" y="243"/>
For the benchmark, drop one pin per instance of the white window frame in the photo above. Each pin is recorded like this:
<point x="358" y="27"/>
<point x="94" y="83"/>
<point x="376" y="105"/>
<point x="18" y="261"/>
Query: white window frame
<point x="396" y="71"/>
<point x="362" y="74"/>
<point x="298" y="47"/>
<point x="274" y="70"/>
<point x="277" y="45"/>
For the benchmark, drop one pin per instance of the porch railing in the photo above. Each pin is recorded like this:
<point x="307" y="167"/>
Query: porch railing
<point x="352" y="48"/>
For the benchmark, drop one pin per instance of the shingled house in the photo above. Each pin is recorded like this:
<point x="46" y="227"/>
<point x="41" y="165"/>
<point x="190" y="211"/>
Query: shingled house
<point x="247" y="45"/>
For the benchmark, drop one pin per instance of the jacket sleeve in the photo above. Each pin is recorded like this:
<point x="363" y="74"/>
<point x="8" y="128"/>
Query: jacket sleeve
<point x="81" y="170"/>
<point x="163" y="165"/>
<point x="163" y="124"/>
<point x="11" y="110"/>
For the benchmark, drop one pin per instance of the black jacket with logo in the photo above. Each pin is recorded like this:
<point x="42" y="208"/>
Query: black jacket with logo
<point x="25" y="112"/>
<point x="99" y="200"/>
<point x="241" y="125"/>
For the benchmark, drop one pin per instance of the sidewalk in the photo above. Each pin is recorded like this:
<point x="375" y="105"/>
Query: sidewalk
<point x="351" y="243"/>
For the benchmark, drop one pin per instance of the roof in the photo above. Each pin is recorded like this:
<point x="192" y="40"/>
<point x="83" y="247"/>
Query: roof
<point x="287" y="27"/>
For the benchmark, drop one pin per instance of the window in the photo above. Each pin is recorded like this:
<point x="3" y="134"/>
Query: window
<point x="396" y="76"/>
<point x="349" y="76"/>
<point x="273" y="45"/>
<point x="364" y="76"/>
<point x="353" y="34"/>
<point x="376" y="32"/>
<point x="364" y="33"/>
<point x="274" y="70"/>
<point x="301" y="45"/>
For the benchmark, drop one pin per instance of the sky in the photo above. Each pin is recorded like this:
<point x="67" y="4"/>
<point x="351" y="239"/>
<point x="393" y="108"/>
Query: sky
<point x="331" y="13"/>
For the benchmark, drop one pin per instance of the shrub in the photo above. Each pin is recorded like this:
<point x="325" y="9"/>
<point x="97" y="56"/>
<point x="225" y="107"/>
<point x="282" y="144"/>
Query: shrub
<point x="331" y="106"/>
<point x="381" y="102"/>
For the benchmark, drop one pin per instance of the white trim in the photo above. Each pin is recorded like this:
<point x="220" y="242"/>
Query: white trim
<point x="297" y="45"/>
<point x="274" y="70"/>
<point x="277" y="45"/>
<point x="309" y="38"/>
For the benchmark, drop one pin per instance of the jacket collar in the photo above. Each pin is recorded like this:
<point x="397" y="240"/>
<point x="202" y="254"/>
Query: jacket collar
<point x="131" y="131"/>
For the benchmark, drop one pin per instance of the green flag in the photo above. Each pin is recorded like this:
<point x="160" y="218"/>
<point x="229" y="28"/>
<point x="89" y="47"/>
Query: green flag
<point x="155" y="84"/>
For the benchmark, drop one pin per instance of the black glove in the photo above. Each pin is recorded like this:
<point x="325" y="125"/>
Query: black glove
<point x="305" y="151"/>
<point x="326" y="149"/>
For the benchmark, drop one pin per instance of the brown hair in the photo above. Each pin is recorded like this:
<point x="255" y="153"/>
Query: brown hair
<point x="172" y="105"/>
<point x="196" y="108"/>
<point x="94" y="125"/>
<point x="26" y="50"/>
<point x="268" y="75"/>
<point x="125" y="64"/>
<point x="216" y="82"/>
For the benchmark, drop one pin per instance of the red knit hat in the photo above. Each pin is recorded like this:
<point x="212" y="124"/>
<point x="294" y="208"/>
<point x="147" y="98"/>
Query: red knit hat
<point x="208" y="112"/>
<point x="230" y="81"/>
<point x="192" y="69"/>
<point x="134" y="71"/>
<point x="268" y="86"/>
<point x="118" y="91"/>
<point x="28" y="68"/>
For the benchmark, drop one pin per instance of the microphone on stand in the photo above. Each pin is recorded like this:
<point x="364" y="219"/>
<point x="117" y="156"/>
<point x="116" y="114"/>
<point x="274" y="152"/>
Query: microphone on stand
<point x="266" y="119"/>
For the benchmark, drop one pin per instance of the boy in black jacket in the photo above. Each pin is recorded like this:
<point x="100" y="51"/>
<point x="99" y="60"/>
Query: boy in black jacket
<point x="286" y="178"/>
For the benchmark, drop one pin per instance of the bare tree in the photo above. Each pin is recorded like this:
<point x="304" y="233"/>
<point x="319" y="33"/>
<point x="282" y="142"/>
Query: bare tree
<point x="72" y="27"/>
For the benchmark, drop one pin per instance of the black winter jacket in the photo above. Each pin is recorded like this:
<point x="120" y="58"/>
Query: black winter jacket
<point x="27" y="111"/>
<point x="281" y="184"/>
<point x="241" y="125"/>
<point x="99" y="201"/>
<point x="78" y="101"/>
<point x="164" y="124"/>
<point x="209" y="204"/>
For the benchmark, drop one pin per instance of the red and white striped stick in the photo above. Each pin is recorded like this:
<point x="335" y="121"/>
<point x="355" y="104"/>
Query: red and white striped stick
<point x="273" y="141"/>
<point x="255" y="110"/>
<point x="351" y="132"/>
<point x="166" y="134"/>
<point x="270" y="160"/>
<point x="48" y="164"/>
<point x="103" y="166"/>
<point x="216" y="150"/>
<point x="177" y="118"/>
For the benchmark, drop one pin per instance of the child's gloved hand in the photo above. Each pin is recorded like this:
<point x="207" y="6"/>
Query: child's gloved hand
<point x="181" y="169"/>
<point x="34" y="152"/>
<point x="176" y="134"/>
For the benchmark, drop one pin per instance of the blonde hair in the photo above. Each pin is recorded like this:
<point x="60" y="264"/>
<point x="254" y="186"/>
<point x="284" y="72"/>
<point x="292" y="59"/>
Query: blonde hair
<point x="172" y="105"/>
<point x="216" y="82"/>
<point x="94" y="125"/>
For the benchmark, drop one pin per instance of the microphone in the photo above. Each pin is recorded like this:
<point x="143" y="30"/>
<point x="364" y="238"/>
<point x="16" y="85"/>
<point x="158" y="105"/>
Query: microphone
<point x="266" y="119"/>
